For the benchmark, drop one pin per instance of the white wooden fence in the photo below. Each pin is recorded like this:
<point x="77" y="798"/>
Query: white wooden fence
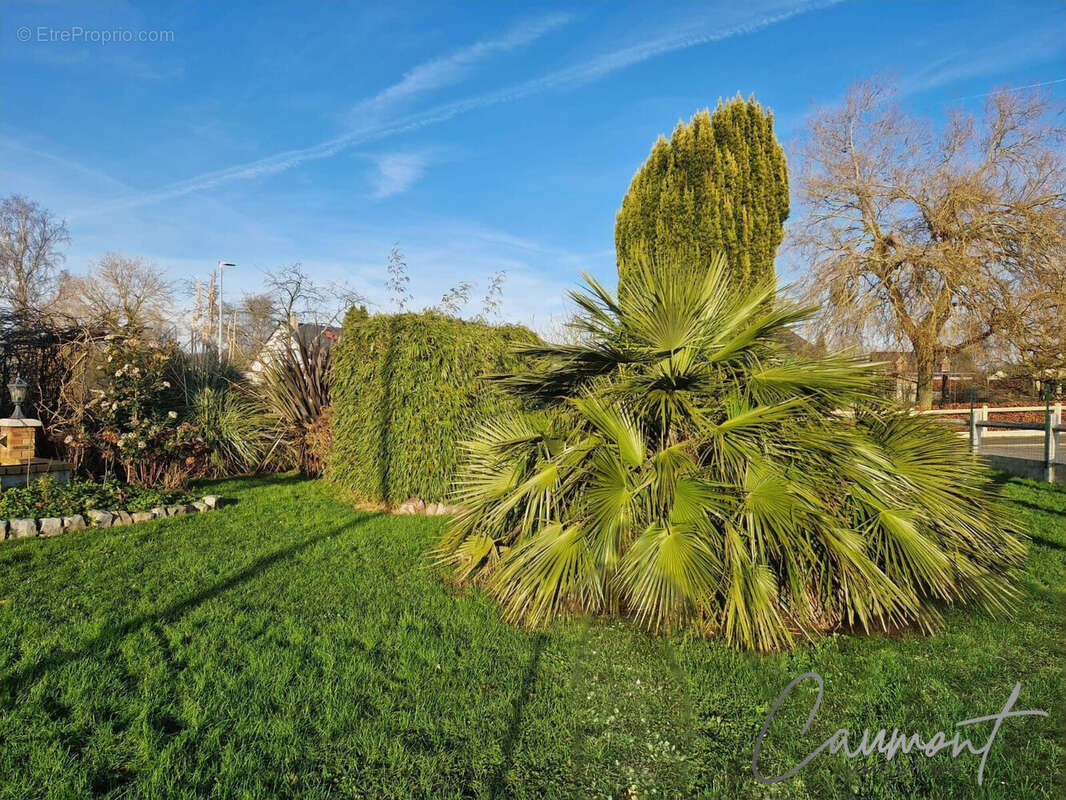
<point x="1033" y="444"/>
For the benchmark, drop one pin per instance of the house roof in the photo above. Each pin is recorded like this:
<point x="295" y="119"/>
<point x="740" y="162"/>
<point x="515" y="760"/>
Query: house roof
<point x="310" y="329"/>
<point x="795" y="343"/>
<point x="303" y="330"/>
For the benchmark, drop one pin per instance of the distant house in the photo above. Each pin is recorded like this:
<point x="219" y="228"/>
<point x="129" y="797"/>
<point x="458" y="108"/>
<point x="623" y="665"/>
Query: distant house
<point x="949" y="374"/>
<point x="797" y="345"/>
<point x="283" y="336"/>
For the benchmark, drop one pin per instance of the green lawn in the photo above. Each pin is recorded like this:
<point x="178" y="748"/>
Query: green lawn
<point x="290" y="646"/>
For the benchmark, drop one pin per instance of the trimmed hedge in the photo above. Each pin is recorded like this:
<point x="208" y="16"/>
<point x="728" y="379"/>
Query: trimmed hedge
<point x="406" y="389"/>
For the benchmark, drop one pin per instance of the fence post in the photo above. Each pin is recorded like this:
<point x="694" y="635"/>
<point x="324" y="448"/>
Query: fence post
<point x="973" y="423"/>
<point x="1049" y="436"/>
<point x="982" y="416"/>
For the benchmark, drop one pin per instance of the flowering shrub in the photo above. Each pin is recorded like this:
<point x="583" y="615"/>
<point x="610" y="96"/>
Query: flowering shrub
<point x="132" y="417"/>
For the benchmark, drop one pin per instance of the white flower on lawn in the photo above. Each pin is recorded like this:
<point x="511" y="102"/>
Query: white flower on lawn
<point x="141" y="445"/>
<point x="172" y="414"/>
<point x="166" y="384"/>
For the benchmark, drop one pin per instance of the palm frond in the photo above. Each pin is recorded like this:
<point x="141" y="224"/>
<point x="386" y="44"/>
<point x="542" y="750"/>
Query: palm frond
<point x="677" y="465"/>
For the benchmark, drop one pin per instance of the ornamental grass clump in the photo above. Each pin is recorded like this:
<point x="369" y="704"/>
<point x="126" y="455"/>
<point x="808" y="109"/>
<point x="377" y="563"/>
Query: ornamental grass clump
<point x="682" y="468"/>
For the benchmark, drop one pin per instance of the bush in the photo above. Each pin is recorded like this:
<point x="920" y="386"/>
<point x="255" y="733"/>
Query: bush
<point x="686" y="470"/>
<point x="46" y="498"/>
<point x="236" y="431"/>
<point x="156" y="416"/>
<point x="296" y="389"/>
<point x="129" y="413"/>
<point x="406" y="388"/>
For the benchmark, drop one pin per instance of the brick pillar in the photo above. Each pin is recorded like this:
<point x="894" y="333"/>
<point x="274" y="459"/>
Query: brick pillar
<point x="18" y="440"/>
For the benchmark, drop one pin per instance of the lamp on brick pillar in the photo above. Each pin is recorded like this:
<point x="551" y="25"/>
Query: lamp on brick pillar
<point x="18" y="435"/>
<point x="18" y="389"/>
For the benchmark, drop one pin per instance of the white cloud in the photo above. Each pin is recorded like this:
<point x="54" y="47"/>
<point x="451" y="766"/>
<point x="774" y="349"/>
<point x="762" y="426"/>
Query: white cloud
<point x="451" y="69"/>
<point x="962" y="65"/>
<point x="396" y="173"/>
<point x="566" y="78"/>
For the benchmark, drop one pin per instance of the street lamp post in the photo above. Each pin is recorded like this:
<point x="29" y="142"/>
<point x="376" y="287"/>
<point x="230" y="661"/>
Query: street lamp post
<point x="221" y="264"/>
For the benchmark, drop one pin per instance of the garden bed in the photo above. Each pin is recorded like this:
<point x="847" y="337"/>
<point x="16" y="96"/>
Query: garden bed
<point x="47" y="498"/>
<point x="47" y="508"/>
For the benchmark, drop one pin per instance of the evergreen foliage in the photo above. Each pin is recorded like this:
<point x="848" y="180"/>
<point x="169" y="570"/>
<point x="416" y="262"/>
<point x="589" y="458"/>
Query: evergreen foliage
<point x="406" y="388"/>
<point x="720" y="184"/>
<point x="684" y="469"/>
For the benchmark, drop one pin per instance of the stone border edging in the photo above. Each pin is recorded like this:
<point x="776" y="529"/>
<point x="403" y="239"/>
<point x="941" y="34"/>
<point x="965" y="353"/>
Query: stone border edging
<point x="415" y="505"/>
<point x="30" y="527"/>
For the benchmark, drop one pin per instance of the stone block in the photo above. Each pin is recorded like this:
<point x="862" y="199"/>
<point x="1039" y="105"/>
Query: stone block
<point x="212" y="500"/>
<point x="74" y="523"/>
<point x="412" y="505"/>
<point x="177" y="511"/>
<point x="159" y="512"/>
<point x="50" y="526"/>
<point x="200" y="506"/>
<point x="143" y="516"/>
<point x="3" y="529"/>
<point x="100" y="519"/>
<point x="121" y="518"/>
<point x="23" y="528"/>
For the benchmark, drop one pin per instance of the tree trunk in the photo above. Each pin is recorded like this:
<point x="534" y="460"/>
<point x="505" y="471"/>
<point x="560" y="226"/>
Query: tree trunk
<point x="923" y="391"/>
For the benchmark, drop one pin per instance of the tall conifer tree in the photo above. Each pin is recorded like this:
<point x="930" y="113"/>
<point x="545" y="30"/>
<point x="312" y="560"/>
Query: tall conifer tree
<point x="719" y="183"/>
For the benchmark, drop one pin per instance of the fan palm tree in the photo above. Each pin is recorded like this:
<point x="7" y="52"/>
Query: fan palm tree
<point x="679" y="466"/>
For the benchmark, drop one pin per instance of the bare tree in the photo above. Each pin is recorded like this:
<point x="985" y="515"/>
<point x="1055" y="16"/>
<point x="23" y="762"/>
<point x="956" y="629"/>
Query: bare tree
<point x="121" y="291"/>
<point x="258" y="314"/>
<point x="1041" y="345"/>
<point x="293" y="291"/>
<point x="30" y="256"/>
<point x="943" y="239"/>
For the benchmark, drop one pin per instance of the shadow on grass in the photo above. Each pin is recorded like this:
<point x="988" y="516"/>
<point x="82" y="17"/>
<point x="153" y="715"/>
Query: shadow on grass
<point x="1013" y="501"/>
<point x="1040" y="541"/>
<point x="514" y="731"/>
<point x="26" y="676"/>
<point x="254" y="481"/>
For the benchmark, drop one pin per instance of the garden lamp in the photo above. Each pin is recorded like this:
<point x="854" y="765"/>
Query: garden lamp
<point x="18" y="388"/>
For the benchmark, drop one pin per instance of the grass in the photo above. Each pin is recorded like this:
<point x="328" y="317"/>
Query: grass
<point x="290" y="646"/>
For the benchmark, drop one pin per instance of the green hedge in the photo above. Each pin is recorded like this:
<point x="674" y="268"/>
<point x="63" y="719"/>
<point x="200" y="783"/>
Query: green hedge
<point x="407" y="389"/>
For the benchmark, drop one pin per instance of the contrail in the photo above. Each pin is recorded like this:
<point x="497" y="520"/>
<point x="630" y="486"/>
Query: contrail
<point x="569" y="77"/>
<point x="1014" y="89"/>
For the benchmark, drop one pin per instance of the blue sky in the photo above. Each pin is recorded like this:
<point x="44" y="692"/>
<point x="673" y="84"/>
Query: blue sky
<point x="480" y="136"/>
